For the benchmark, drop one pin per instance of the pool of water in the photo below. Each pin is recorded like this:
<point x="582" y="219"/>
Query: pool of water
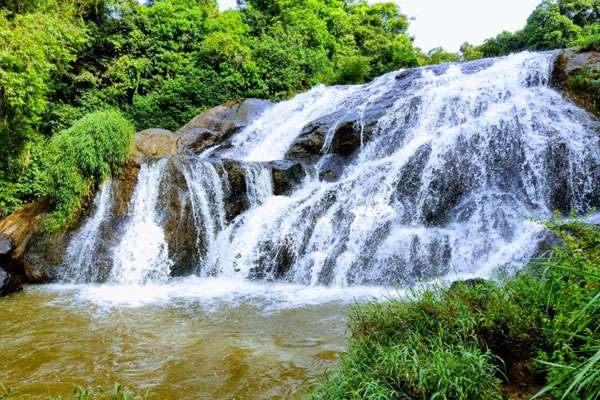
<point x="188" y="339"/>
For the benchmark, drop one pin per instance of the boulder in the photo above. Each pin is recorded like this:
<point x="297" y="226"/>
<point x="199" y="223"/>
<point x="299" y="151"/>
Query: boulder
<point x="215" y="126"/>
<point x="330" y="168"/>
<point x="5" y="244"/>
<point x="573" y="75"/>
<point x="154" y="143"/>
<point x="44" y="255"/>
<point x="236" y="195"/>
<point x="286" y="175"/>
<point x="309" y="146"/>
<point x="20" y="227"/>
<point x="9" y="283"/>
<point x="197" y="140"/>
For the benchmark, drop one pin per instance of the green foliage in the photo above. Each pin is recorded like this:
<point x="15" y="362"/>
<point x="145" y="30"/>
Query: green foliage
<point x="461" y="343"/>
<point x="163" y="62"/>
<point x="81" y="157"/>
<point x="553" y="24"/>
<point x="118" y="392"/>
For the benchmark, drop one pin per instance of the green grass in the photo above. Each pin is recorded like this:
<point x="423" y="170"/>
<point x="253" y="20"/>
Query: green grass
<point x="80" y="158"/>
<point x="466" y="342"/>
<point x="118" y="392"/>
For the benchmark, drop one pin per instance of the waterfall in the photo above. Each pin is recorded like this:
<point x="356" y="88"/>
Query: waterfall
<point x="455" y="163"/>
<point x="448" y="183"/>
<point x="259" y="183"/>
<point x="208" y="205"/>
<point x="142" y="256"/>
<point x="80" y="262"/>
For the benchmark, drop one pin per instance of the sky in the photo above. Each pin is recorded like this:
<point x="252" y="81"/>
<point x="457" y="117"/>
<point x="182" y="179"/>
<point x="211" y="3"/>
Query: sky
<point x="450" y="23"/>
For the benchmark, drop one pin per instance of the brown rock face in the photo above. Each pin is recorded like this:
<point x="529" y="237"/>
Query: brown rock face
<point x="154" y="143"/>
<point x="574" y="75"/>
<point x="19" y="228"/>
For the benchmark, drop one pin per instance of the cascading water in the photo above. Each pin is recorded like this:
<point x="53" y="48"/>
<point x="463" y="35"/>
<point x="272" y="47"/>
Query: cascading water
<point x="142" y="256"/>
<point x="208" y="205"/>
<point x="453" y="164"/>
<point x="259" y="183"/>
<point x="445" y="185"/>
<point x="80" y="262"/>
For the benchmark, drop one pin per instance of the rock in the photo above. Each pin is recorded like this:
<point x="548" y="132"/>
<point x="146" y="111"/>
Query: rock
<point x="178" y="222"/>
<point x="286" y="176"/>
<point x="236" y="197"/>
<point x="572" y="75"/>
<point x="21" y="226"/>
<point x="9" y="283"/>
<point x="154" y="143"/>
<point x="197" y="140"/>
<point x="215" y="126"/>
<point x="123" y="187"/>
<point x="330" y="168"/>
<point x="44" y="254"/>
<point x="5" y="244"/>
<point x="308" y="147"/>
<point x="471" y="283"/>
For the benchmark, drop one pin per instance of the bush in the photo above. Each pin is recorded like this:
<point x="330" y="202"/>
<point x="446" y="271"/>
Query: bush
<point x="81" y="157"/>
<point x="463" y="342"/>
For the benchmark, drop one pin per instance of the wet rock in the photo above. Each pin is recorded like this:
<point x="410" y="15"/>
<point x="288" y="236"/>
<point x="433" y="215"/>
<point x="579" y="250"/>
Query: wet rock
<point x="154" y="143"/>
<point x="9" y="283"/>
<point x="307" y="147"/>
<point x="123" y="187"/>
<point x="236" y="197"/>
<point x="215" y="126"/>
<point x="178" y="221"/>
<point x="197" y="140"/>
<point x="20" y="227"/>
<point x="573" y="76"/>
<point x="286" y="176"/>
<point x="44" y="255"/>
<point x="5" y="244"/>
<point x="330" y="168"/>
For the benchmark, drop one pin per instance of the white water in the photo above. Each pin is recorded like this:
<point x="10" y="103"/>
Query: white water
<point x="79" y="264"/>
<point x="259" y="183"/>
<point x="142" y="256"/>
<point x="207" y="196"/>
<point x="459" y="165"/>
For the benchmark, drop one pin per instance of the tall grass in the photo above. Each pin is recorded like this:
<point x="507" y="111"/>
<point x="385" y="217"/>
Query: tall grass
<point x="467" y="341"/>
<point x="81" y="157"/>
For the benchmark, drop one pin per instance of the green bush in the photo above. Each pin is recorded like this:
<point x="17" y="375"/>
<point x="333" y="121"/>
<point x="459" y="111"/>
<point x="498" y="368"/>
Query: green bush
<point x="463" y="342"/>
<point x="81" y="157"/>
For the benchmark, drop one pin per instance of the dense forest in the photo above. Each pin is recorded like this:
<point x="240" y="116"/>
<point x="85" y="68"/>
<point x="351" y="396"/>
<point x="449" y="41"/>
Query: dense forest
<point x="159" y="64"/>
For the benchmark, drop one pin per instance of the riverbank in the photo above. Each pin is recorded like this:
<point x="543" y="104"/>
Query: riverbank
<point x="532" y="333"/>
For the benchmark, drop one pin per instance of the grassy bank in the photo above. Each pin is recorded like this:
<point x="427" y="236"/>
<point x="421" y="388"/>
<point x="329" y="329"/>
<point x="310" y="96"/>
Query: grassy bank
<point x="537" y="333"/>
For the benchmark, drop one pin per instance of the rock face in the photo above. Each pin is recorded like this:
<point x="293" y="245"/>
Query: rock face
<point x="575" y="73"/>
<point x="18" y="230"/>
<point x="9" y="283"/>
<point x="215" y="126"/>
<point x="154" y="143"/>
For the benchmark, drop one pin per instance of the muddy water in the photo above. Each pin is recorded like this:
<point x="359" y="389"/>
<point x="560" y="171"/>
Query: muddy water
<point x="190" y="339"/>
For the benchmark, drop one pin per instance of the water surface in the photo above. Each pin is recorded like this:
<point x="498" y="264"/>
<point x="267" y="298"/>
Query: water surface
<point x="188" y="339"/>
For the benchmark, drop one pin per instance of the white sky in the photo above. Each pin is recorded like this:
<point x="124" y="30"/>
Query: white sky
<point x="450" y="23"/>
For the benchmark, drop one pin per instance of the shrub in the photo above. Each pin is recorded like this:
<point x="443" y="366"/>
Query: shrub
<point x="81" y="157"/>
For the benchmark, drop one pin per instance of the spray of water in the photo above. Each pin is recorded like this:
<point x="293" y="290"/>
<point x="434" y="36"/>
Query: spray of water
<point x="142" y="256"/>
<point x="80" y="261"/>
